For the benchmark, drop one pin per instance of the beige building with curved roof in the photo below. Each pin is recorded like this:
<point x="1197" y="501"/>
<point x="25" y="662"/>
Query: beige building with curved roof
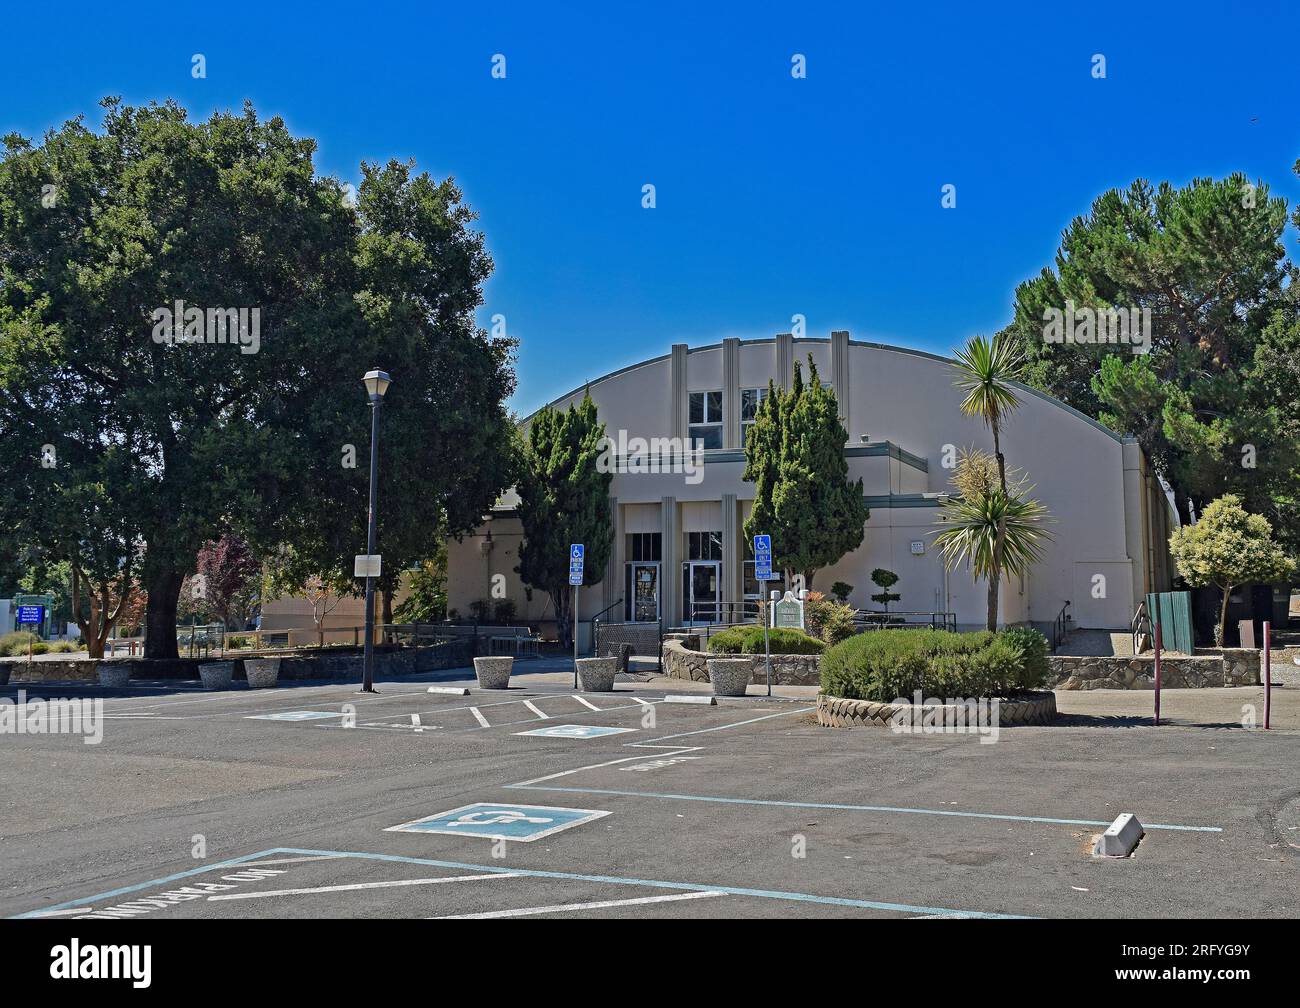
<point x="678" y="554"/>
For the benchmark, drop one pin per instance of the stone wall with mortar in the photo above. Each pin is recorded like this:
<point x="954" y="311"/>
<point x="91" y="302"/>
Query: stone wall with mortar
<point x="681" y="662"/>
<point x="1231" y="667"/>
<point x="327" y="665"/>
<point x="837" y="712"/>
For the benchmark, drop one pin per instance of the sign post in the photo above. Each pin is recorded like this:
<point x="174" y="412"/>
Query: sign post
<point x="577" y="554"/>
<point x="1159" y="642"/>
<point x="763" y="573"/>
<point x="1268" y="675"/>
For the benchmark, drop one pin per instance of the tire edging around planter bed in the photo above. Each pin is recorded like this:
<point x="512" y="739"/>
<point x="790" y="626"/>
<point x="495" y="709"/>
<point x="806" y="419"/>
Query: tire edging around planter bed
<point x="839" y="712"/>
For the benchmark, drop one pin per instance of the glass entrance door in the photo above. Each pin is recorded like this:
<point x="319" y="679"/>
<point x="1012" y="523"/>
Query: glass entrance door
<point x="701" y="582"/>
<point x="643" y="590"/>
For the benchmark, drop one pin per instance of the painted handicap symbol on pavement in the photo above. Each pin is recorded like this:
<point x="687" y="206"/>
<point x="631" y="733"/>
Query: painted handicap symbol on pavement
<point x="575" y="731"/>
<point x="522" y="823"/>
<point x="294" y="715"/>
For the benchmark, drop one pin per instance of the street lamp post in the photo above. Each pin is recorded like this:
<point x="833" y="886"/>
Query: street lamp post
<point x="376" y="383"/>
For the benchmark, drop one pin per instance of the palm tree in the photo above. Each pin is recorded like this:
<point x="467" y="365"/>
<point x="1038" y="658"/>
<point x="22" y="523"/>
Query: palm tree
<point x="986" y="370"/>
<point x="1000" y="532"/>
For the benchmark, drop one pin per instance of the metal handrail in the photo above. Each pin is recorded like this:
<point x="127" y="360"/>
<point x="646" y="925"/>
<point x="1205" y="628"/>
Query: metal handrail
<point x="874" y="619"/>
<point x="1141" y="619"/>
<point x="1058" y="625"/>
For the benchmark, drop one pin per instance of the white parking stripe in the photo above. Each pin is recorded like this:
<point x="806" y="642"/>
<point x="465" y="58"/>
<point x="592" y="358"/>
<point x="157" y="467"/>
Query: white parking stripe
<point x="289" y="860"/>
<point x="363" y="885"/>
<point x="536" y="710"/>
<point x="478" y="716"/>
<point x="585" y="703"/>
<point x="569" y="907"/>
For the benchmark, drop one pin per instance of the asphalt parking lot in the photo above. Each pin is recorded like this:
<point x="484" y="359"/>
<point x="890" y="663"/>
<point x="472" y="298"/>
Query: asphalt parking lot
<point x="315" y="801"/>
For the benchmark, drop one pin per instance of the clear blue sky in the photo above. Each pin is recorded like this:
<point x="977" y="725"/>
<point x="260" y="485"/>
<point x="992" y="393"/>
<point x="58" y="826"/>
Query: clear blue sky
<point x="776" y="196"/>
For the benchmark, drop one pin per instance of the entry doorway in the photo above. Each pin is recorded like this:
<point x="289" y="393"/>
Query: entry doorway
<point x="642" y="593"/>
<point x="701" y="584"/>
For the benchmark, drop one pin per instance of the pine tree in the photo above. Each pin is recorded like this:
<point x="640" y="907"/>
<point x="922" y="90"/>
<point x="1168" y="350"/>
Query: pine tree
<point x="794" y="456"/>
<point x="563" y="499"/>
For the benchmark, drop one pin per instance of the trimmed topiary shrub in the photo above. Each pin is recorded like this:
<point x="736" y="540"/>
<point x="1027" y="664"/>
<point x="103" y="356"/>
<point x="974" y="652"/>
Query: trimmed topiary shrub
<point x="749" y="640"/>
<point x="884" y="665"/>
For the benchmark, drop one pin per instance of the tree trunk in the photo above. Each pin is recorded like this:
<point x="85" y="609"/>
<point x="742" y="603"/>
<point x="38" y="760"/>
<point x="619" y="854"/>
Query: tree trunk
<point x="164" y="588"/>
<point x="387" y="615"/>
<point x="563" y="616"/>
<point x="1221" y="633"/>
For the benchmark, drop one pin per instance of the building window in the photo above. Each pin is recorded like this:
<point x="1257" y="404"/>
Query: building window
<point x="706" y="418"/>
<point x="703" y="545"/>
<point x="644" y="546"/>
<point x="750" y="400"/>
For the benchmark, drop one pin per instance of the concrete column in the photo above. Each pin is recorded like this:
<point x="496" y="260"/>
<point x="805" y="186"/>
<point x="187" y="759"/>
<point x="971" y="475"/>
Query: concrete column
<point x="784" y="360"/>
<point x="670" y="574"/>
<point x="732" y="553"/>
<point x="731" y="393"/>
<point x="840" y="375"/>
<point x="614" y="569"/>
<point x="1134" y="518"/>
<point x="680" y="401"/>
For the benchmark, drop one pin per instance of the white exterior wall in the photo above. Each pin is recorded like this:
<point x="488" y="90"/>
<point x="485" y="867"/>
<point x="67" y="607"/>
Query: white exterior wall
<point x="1087" y="477"/>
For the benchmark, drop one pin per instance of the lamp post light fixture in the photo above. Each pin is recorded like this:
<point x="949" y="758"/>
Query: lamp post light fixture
<point x="376" y="383"/>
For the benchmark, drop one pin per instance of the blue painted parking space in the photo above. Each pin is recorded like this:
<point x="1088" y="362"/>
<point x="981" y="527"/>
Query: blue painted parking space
<point x="521" y="823"/>
<point x="573" y="731"/>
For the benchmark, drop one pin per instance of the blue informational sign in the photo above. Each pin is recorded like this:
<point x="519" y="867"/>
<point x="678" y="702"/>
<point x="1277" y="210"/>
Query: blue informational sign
<point x="521" y="823"/>
<point x="576" y="731"/>
<point x="576" y="554"/>
<point x="31" y="614"/>
<point x="763" y="558"/>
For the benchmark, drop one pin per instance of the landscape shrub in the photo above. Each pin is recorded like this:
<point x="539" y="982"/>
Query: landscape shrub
<point x="884" y="665"/>
<point x="40" y="647"/>
<point x="749" y="640"/>
<point x="827" y="619"/>
<point x="63" y="647"/>
<point x="15" y="643"/>
<point x="235" y="642"/>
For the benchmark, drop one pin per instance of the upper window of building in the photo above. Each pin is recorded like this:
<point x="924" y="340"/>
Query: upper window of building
<point x="644" y="546"/>
<point x="706" y="418"/>
<point x="750" y="399"/>
<point x="703" y="545"/>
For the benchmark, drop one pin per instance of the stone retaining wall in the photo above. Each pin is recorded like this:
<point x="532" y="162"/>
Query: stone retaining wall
<point x="1231" y="667"/>
<point x="837" y="712"/>
<point x="397" y="661"/>
<point x="682" y="662"/>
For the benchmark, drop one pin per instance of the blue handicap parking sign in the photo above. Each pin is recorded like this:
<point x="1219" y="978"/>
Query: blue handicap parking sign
<point x="294" y="715"/>
<point x="522" y="823"/>
<point x="575" y="731"/>
<point x="577" y="554"/>
<point x="763" y="557"/>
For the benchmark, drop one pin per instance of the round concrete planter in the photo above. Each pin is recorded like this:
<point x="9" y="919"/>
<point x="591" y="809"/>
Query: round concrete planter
<point x="730" y="676"/>
<point x="262" y="673"/>
<point x="114" y="676"/>
<point x="493" y="673"/>
<point x="217" y="675"/>
<point x="596" y="675"/>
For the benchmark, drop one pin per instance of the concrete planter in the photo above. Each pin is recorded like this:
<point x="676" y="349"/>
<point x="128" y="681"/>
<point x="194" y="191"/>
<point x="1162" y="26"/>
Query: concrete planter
<point x="596" y="675"/>
<point x="114" y="676"/>
<point x="217" y="675"/>
<point x="262" y="673"/>
<point x="730" y="676"/>
<point x="493" y="673"/>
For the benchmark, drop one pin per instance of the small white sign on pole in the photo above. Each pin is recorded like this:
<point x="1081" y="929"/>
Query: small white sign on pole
<point x="367" y="565"/>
